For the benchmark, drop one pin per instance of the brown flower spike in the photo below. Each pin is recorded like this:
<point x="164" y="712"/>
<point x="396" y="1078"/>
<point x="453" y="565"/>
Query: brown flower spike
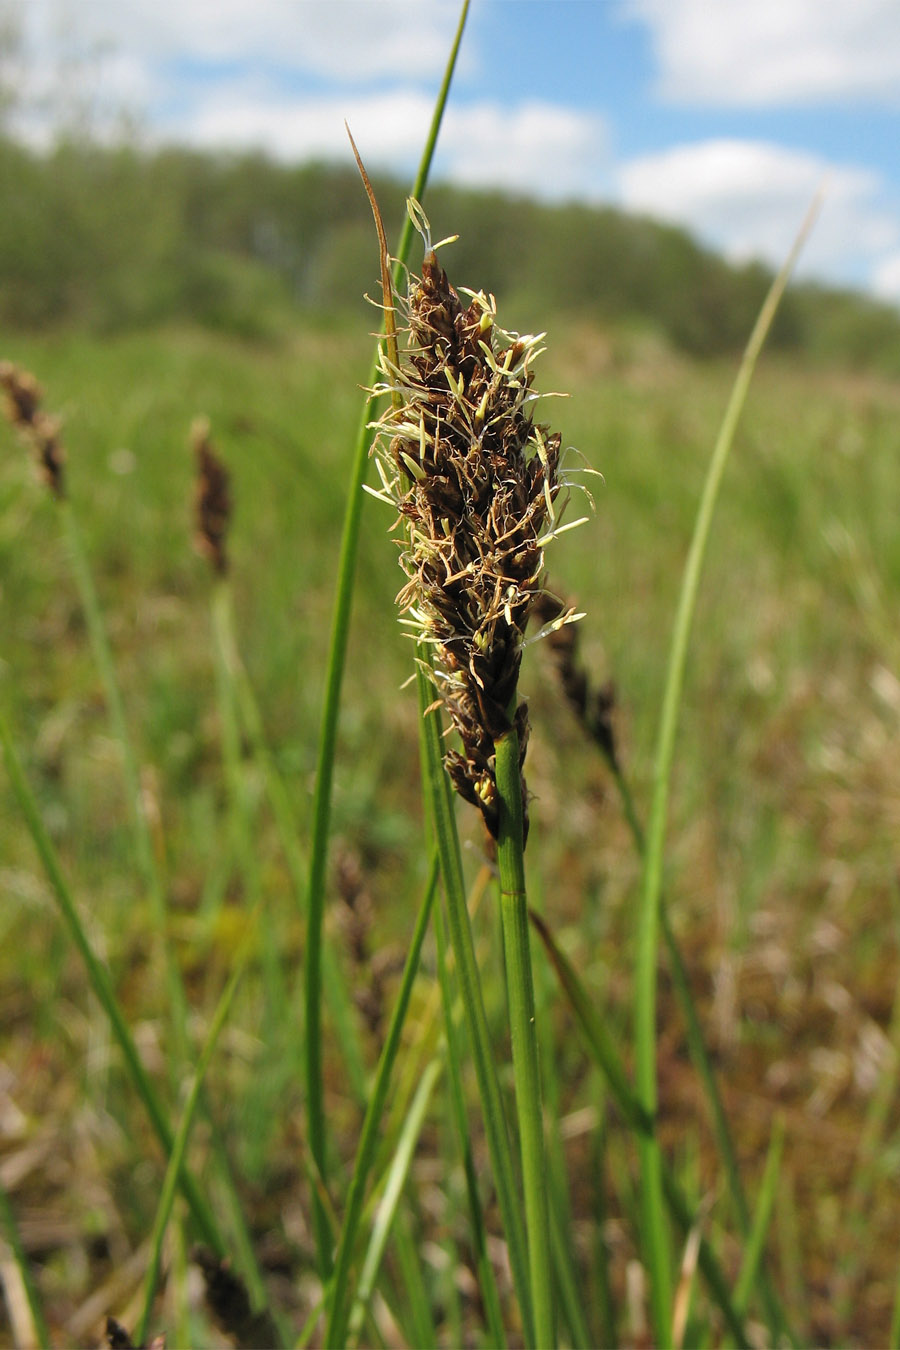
<point x="212" y="498"/>
<point x="38" y="428"/>
<point x="475" y="480"/>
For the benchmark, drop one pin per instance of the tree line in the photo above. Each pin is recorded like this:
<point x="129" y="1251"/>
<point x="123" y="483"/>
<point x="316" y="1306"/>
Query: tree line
<point x="115" y="237"/>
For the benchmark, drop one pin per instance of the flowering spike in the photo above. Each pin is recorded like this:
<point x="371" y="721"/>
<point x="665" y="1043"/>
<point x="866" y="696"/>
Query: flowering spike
<point x="476" y="483"/>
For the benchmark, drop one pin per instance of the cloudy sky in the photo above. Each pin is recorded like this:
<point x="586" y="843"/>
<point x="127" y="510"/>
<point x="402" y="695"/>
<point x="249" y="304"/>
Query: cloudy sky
<point x="722" y="115"/>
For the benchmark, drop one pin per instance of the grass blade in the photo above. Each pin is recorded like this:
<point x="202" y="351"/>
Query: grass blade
<point x="607" y="1059"/>
<point x="321" y="811"/>
<point x="287" y="828"/>
<point x="756" y="1241"/>
<point x="102" y="987"/>
<point x="441" y="805"/>
<point x="182" y="1134"/>
<point x="393" y="1190"/>
<point x="526" y="1069"/>
<point x="148" y="868"/>
<point x="417" y="1314"/>
<point x="10" y="1228"/>
<point x="341" y="1294"/>
<point x="701" y="1061"/>
<point x="655" y="1239"/>
<point x="489" y="1294"/>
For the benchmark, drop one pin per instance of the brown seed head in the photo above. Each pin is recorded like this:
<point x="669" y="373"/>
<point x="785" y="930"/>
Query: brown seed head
<point x="212" y="498"/>
<point x="594" y="707"/>
<point x="22" y="406"/>
<point x="475" y="480"/>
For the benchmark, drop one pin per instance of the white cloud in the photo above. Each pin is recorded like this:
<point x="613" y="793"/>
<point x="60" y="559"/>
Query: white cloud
<point x="388" y="127"/>
<point x="774" y="52"/>
<point x="748" y="198"/>
<point x="536" y="147"/>
<point x="342" y="39"/>
<point x="533" y="147"/>
<point x="886" y="279"/>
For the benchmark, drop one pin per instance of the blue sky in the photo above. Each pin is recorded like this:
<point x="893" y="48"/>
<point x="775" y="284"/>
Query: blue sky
<point x="721" y="115"/>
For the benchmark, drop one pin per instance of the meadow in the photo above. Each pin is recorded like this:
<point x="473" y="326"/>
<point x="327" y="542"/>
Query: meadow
<point x="781" y="874"/>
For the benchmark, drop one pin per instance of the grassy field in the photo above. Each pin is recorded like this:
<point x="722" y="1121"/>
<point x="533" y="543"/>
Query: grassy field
<point x="782" y="877"/>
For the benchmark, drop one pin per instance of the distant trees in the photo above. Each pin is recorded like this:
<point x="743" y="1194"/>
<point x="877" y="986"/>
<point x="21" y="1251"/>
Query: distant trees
<point x="113" y="237"/>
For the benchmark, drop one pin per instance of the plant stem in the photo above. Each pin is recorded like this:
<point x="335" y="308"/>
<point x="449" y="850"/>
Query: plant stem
<point x="489" y="1295"/>
<point x="520" y="995"/>
<point x="655" y="1237"/>
<point x="440" y="798"/>
<point x="700" y="1057"/>
<point x="321" y="811"/>
<point x="341" y="1293"/>
<point x="606" y="1056"/>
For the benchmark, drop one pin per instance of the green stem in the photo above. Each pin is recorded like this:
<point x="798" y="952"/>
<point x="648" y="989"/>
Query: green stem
<point x="700" y="1057"/>
<point x="756" y="1239"/>
<point x="488" y="1283"/>
<point x="606" y="1056"/>
<point x="341" y="1294"/>
<point x="440" y="799"/>
<point x="321" y="811"/>
<point x="387" y="1207"/>
<point x="526" y="1068"/>
<point x="655" y="1237"/>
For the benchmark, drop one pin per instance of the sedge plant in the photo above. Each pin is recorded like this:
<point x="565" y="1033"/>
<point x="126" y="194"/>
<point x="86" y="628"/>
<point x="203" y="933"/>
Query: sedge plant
<point x="320" y="823"/>
<point x="476" y="482"/>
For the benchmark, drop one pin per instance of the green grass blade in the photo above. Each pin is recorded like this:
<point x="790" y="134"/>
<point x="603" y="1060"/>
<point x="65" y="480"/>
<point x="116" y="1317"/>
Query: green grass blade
<point x="440" y="801"/>
<point x="286" y="825"/>
<point x="753" y="1249"/>
<point x="102" y="987"/>
<point x="148" y="868"/>
<point x="321" y="811"/>
<point x="701" y="1061"/>
<point x="488" y="1284"/>
<point x="606" y="1057"/>
<point x="393" y="1190"/>
<point x="10" y="1228"/>
<point x="526" y="1067"/>
<point x="279" y="1063"/>
<point x="655" y="1238"/>
<point x="417" y="1314"/>
<point x="569" y="1300"/>
<point x="182" y="1135"/>
<point x="571" y="1289"/>
<point x="341" y="1293"/>
<point x="601" y="1044"/>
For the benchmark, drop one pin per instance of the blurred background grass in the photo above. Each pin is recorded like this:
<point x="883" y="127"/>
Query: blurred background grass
<point x="145" y="290"/>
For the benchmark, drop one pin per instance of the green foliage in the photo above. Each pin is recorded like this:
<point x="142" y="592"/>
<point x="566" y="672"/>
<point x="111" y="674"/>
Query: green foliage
<point x="783" y="823"/>
<point x="111" y="238"/>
